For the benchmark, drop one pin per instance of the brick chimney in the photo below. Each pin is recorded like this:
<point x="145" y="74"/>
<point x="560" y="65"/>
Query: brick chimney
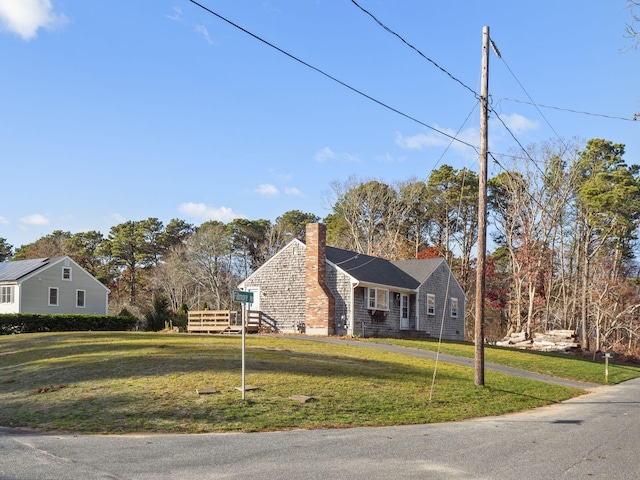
<point x="320" y="304"/>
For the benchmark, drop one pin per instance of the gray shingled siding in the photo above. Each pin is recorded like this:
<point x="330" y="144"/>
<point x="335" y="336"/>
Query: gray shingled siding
<point x="382" y="325"/>
<point x="453" y="328"/>
<point x="282" y="300"/>
<point x="340" y="286"/>
<point x="368" y="326"/>
<point x="282" y="287"/>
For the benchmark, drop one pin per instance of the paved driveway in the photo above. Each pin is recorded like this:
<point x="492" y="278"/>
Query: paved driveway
<point x="469" y="362"/>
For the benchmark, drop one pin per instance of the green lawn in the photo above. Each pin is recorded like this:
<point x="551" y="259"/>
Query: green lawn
<point x="146" y="382"/>
<point x="559" y="365"/>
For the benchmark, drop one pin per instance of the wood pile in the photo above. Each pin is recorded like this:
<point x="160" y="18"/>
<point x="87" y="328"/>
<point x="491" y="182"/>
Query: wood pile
<point x="550" y="341"/>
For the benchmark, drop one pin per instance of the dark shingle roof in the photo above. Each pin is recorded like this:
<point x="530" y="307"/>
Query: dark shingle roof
<point x="13" y="271"/>
<point x="404" y="274"/>
<point x="420" y="270"/>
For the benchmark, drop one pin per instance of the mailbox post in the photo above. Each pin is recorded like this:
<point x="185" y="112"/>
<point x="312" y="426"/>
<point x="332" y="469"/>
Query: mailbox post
<point x="607" y="356"/>
<point x="243" y="298"/>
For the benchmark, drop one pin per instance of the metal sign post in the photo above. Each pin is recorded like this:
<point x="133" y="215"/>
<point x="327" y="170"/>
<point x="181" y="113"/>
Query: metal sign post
<point x="243" y="298"/>
<point x="244" y="323"/>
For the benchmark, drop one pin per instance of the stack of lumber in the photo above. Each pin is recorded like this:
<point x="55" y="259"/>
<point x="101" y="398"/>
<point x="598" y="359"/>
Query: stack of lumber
<point x="550" y="341"/>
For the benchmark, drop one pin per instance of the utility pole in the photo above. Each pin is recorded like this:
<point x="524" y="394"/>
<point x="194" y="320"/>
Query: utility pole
<point x="482" y="213"/>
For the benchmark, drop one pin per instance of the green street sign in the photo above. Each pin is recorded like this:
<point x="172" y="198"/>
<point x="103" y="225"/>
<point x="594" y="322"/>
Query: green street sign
<point x="240" y="296"/>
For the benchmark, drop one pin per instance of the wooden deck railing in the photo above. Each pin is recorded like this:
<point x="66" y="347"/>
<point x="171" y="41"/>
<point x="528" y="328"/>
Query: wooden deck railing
<point x="222" y="321"/>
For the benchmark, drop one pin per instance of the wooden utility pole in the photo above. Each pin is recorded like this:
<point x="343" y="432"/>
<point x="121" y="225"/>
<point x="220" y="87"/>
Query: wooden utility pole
<point x="482" y="213"/>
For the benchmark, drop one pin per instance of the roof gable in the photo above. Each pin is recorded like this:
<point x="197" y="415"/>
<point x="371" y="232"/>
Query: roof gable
<point x="282" y="251"/>
<point x="421" y="269"/>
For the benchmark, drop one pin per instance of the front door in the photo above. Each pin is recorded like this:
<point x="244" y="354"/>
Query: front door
<point x="404" y="312"/>
<point x="256" y="298"/>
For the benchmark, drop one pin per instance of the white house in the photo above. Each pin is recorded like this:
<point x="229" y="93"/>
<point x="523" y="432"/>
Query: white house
<point x="50" y="285"/>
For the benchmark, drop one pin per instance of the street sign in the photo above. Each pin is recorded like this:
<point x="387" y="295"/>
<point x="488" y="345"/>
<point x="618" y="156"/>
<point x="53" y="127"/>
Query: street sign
<point x="240" y="296"/>
<point x="244" y="297"/>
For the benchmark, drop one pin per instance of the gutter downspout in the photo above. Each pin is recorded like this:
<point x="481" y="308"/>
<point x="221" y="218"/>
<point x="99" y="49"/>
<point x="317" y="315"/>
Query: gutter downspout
<point x="352" y="308"/>
<point x="418" y="310"/>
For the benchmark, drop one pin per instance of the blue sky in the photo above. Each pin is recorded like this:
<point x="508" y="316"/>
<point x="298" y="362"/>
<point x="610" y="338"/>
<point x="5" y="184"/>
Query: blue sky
<point x="120" y="110"/>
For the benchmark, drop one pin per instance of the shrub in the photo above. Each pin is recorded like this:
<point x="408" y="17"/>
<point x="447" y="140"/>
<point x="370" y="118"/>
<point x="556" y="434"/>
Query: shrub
<point x="11" y="323"/>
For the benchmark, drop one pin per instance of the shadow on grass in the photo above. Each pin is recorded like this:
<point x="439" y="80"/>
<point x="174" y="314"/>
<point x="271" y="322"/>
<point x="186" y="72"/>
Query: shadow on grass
<point x="45" y="362"/>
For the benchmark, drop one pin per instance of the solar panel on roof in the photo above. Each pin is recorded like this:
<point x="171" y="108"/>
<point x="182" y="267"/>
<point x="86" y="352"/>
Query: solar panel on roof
<point x="12" y="271"/>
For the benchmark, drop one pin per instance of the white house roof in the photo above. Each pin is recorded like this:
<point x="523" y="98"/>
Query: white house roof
<point x="14" y="271"/>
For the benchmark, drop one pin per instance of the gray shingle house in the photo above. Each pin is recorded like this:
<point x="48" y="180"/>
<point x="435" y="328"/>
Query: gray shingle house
<point x="321" y="290"/>
<point x="50" y="285"/>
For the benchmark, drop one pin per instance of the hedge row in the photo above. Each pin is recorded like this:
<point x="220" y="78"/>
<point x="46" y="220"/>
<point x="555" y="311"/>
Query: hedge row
<point x="30" y="323"/>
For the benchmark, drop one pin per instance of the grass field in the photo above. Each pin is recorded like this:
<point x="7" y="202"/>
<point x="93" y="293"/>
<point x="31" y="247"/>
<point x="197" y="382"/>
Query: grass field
<point x="148" y="382"/>
<point x="561" y="365"/>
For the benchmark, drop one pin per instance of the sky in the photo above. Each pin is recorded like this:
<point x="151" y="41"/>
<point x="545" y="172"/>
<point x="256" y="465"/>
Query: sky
<point x="116" y="111"/>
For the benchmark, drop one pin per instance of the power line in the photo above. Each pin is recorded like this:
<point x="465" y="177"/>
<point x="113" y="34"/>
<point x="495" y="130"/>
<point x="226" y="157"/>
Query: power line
<point x="457" y="133"/>
<point x="525" y="91"/>
<point x="495" y="48"/>
<point x="331" y="77"/>
<point x="633" y="119"/>
<point x="416" y="50"/>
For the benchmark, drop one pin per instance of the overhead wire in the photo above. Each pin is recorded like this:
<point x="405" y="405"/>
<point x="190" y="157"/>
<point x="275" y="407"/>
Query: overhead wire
<point x="416" y="50"/>
<point x="495" y="49"/>
<point x="331" y="77"/>
<point x="580" y="112"/>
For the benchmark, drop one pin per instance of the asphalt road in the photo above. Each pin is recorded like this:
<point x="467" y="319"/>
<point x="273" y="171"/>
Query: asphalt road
<point x="596" y="435"/>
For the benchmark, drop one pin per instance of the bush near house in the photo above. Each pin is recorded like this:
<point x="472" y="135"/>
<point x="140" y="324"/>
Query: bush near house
<point x="32" y="322"/>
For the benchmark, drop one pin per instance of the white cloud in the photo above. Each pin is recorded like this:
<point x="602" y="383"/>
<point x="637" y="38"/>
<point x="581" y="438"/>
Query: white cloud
<point x="206" y="212"/>
<point x="327" y="154"/>
<point x="204" y="33"/>
<point x="388" y="158"/>
<point x="285" y="177"/>
<point x="4" y="221"/>
<point x="25" y="17"/>
<point x="518" y="124"/>
<point x="432" y="139"/>
<point x="349" y="158"/>
<point x="267" y="189"/>
<point x="35" y="219"/>
<point x="421" y="140"/>
<point x="115" y="218"/>
<point x="324" y="154"/>
<point x="293" y="191"/>
<point x="177" y="15"/>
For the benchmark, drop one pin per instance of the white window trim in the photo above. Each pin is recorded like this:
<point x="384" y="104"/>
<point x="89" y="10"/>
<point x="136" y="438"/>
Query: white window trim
<point x="453" y="313"/>
<point x="7" y="297"/>
<point x="429" y="297"/>
<point x="70" y="274"/>
<point x="51" y="289"/>
<point x="84" y="298"/>
<point x="378" y="295"/>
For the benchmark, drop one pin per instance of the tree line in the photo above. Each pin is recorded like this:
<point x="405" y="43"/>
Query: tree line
<point x="563" y="221"/>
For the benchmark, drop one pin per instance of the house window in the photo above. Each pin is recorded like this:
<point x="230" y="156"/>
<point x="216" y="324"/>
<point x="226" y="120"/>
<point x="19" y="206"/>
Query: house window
<point x="53" y="296"/>
<point x="431" y="304"/>
<point x="454" y="307"/>
<point x="6" y="294"/>
<point x="66" y="273"/>
<point x="378" y="299"/>
<point x="80" y="296"/>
